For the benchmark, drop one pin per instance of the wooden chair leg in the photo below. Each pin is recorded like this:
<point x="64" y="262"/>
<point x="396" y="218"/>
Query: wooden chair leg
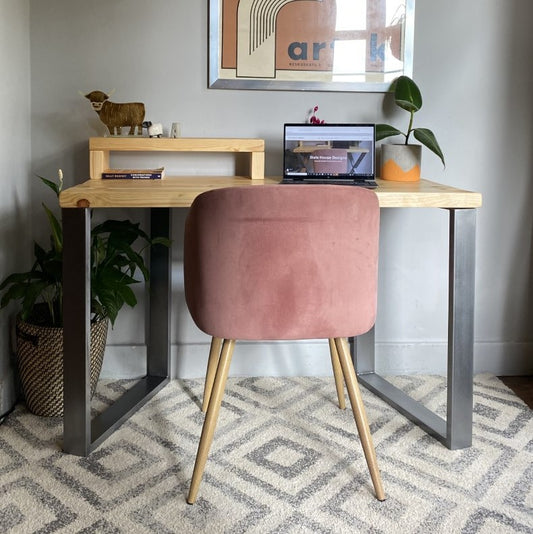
<point x="212" y="364"/>
<point x="360" y="415"/>
<point x="337" y="373"/>
<point x="211" y="418"/>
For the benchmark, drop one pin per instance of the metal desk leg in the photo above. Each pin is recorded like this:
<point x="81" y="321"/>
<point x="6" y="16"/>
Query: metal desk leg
<point x="76" y="307"/>
<point x="456" y="431"/>
<point x="81" y="435"/>
<point x="461" y="328"/>
<point x="158" y="363"/>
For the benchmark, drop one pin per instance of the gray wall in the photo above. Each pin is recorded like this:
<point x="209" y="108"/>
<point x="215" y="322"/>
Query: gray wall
<point x="15" y="163"/>
<point x="472" y="62"/>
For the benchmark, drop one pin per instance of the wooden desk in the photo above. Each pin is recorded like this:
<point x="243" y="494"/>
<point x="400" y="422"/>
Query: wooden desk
<point x="81" y="435"/>
<point x="179" y="192"/>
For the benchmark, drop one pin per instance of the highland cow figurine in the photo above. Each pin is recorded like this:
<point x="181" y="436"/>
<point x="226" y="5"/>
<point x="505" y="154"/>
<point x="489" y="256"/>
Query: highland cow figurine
<point x="115" y="115"/>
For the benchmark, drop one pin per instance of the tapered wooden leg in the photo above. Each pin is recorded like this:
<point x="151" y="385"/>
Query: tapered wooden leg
<point x="212" y="364"/>
<point x="360" y="415"/>
<point x="211" y="418"/>
<point x="337" y="373"/>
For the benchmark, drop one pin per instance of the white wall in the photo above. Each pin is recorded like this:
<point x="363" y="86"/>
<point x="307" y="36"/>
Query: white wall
<point x="472" y="62"/>
<point x="14" y="163"/>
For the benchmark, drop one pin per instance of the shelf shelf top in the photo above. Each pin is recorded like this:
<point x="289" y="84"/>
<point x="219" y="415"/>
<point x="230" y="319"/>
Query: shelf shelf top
<point x="178" y="144"/>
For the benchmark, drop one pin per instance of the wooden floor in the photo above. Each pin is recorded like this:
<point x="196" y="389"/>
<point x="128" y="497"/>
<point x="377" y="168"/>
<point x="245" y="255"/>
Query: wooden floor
<point x="522" y="386"/>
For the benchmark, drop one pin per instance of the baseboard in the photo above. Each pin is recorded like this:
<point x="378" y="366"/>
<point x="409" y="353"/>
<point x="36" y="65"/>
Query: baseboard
<point x="311" y="358"/>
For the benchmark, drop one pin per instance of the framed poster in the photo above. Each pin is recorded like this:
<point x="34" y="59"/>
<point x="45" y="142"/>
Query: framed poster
<point x="320" y="45"/>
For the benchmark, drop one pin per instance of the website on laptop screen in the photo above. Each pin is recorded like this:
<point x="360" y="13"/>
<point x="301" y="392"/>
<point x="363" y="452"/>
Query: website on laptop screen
<point x="336" y="151"/>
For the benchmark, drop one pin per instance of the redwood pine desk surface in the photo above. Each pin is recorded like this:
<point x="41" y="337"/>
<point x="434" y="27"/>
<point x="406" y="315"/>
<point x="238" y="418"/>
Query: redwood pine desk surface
<point x="180" y="191"/>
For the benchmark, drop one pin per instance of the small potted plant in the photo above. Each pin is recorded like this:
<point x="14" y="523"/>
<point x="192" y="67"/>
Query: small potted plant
<point x="39" y="324"/>
<point x="401" y="162"/>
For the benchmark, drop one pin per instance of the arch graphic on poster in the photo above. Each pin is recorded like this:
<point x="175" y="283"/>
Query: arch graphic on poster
<point x="256" y="37"/>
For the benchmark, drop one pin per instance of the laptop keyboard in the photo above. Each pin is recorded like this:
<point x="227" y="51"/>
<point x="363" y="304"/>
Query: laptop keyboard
<point x="361" y="183"/>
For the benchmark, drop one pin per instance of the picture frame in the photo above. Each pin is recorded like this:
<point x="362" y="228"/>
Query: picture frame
<point x="320" y="45"/>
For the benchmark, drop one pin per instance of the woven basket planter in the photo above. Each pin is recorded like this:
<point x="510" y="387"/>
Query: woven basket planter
<point x="40" y="363"/>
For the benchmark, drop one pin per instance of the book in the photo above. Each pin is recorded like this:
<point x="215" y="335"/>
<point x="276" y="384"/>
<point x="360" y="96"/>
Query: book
<point x="134" y="174"/>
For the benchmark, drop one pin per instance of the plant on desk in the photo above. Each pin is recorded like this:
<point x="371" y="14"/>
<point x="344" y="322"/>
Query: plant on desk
<point x="39" y="325"/>
<point x="401" y="162"/>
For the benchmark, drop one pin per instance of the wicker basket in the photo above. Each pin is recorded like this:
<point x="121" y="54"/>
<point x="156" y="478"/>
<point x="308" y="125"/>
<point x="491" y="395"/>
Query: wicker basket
<point x="40" y="363"/>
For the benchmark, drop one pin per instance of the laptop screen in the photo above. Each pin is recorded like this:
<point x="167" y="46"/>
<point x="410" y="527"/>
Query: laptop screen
<point x="322" y="151"/>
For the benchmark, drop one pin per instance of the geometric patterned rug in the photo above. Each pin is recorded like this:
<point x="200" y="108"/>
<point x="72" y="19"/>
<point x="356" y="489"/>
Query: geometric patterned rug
<point x="284" y="459"/>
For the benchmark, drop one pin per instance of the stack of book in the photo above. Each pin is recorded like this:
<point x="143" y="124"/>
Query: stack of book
<point x="134" y="174"/>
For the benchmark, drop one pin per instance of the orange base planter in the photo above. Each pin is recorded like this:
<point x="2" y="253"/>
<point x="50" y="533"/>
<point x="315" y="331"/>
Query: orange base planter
<point x="401" y="163"/>
<point x="390" y="170"/>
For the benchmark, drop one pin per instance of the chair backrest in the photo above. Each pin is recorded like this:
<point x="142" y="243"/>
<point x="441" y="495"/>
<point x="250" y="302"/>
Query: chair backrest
<point x="282" y="261"/>
<point x="330" y="160"/>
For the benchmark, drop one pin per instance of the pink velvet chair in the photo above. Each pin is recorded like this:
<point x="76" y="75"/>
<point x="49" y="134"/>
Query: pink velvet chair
<point x="282" y="262"/>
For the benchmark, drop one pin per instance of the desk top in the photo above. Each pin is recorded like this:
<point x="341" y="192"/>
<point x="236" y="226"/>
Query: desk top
<point x="180" y="191"/>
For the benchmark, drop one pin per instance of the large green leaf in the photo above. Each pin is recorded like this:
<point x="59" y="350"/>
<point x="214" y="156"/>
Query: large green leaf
<point x="427" y="138"/>
<point x="31" y="296"/>
<point x="128" y="295"/>
<point x="15" y="292"/>
<point x="136" y="262"/>
<point x="385" y="130"/>
<point x="407" y="94"/>
<point x="56" y="188"/>
<point x="16" y="279"/>
<point x="111" y="302"/>
<point x="98" y="250"/>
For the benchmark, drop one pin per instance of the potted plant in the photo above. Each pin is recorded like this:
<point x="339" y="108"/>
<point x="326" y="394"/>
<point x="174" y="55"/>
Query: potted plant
<point x="39" y="325"/>
<point x="401" y="162"/>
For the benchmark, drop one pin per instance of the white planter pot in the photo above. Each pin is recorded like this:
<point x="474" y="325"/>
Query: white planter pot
<point x="401" y="163"/>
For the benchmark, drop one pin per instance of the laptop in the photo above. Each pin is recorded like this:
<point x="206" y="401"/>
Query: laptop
<point x="342" y="154"/>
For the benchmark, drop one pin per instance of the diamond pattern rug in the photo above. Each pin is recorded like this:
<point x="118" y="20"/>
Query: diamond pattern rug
<point x="285" y="459"/>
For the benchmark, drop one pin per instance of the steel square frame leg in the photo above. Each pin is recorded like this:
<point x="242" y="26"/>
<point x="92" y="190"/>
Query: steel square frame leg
<point x="456" y="431"/>
<point x="81" y="434"/>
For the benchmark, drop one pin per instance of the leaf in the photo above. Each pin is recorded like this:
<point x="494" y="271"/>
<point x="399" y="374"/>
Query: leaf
<point x="52" y="185"/>
<point x="109" y="276"/>
<point x="15" y="279"/>
<point x="32" y="293"/>
<point x="128" y="295"/>
<point x="384" y="130"/>
<point x="55" y="226"/>
<point x="15" y="292"/>
<point x="427" y="138"/>
<point x="121" y="231"/>
<point x="407" y="94"/>
<point x="163" y="241"/>
<point x="98" y="251"/>
<point x="136" y="261"/>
